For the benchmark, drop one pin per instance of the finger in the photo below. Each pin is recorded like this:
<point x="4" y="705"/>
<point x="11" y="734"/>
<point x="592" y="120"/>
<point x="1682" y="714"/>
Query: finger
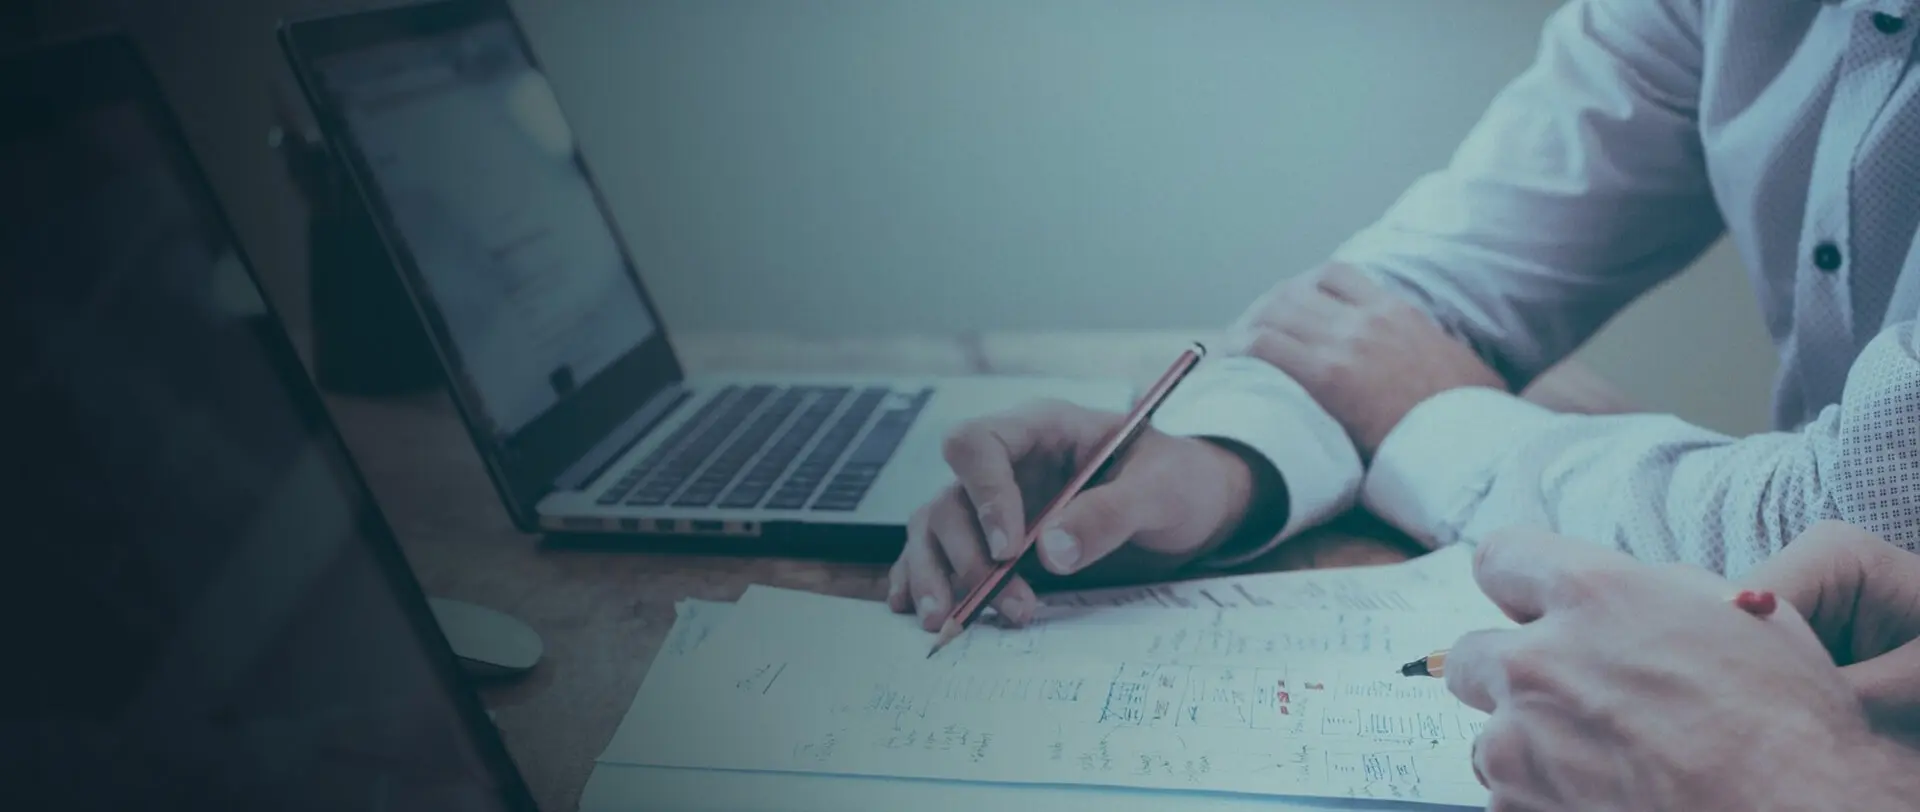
<point x="1350" y="285"/>
<point x="897" y="597"/>
<point x="928" y="576"/>
<point x="1506" y="801"/>
<point x="1285" y="352"/>
<point x="1506" y="758"/>
<point x="1860" y="594"/>
<point x="1819" y="574"/>
<point x="1493" y="750"/>
<point x="1526" y="571"/>
<point x="958" y="534"/>
<point x="1308" y="314"/>
<point x="982" y="455"/>
<point x="1317" y="317"/>
<point x="1094" y="524"/>
<point x="1889" y="688"/>
<point x="1478" y="664"/>
<point x="1016" y="601"/>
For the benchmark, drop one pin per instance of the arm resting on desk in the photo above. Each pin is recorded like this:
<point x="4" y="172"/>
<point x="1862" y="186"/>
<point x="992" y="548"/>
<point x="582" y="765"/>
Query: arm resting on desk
<point x="1471" y="461"/>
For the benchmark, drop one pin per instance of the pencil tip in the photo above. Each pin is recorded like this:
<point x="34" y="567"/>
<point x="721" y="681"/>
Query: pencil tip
<point x="948" y="631"/>
<point x="1414" y="669"/>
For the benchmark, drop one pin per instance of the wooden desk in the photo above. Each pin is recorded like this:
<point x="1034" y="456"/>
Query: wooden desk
<point x="604" y="614"/>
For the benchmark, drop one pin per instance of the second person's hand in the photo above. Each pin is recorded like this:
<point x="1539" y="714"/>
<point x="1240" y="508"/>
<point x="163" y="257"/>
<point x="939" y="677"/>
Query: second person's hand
<point x="1366" y="355"/>
<point x="1173" y="499"/>
<point x="1862" y="597"/>
<point x="1630" y="686"/>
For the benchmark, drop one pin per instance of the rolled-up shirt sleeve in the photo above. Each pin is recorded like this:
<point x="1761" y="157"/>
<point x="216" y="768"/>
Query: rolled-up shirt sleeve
<point x="1472" y="461"/>
<point x="1249" y="402"/>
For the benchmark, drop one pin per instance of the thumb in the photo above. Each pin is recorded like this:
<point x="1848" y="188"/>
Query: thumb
<point x="1820" y="575"/>
<point x="1889" y="688"/>
<point x="1094" y="524"/>
<point x="1858" y="592"/>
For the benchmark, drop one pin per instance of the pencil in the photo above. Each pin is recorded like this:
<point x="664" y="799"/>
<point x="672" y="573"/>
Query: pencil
<point x="969" y="608"/>
<point x="1432" y="665"/>
<point x="1757" y="603"/>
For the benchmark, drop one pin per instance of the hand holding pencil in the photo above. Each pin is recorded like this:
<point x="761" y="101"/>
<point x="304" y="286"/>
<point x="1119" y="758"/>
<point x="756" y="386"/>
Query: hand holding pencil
<point x="1633" y="686"/>
<point x="1172" y="499"/>
<point x="1759" y="603"/>
<point x="1110" y="454"/>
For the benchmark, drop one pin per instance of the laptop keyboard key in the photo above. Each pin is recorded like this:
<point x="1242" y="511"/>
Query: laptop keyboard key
<point x="744" y="497"/>
<point x="788" y="500"/>
<point x="748" y="443"/>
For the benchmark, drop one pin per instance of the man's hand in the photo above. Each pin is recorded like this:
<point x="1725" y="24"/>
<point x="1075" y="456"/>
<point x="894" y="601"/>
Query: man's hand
<point x="1366" y="355"/>
<point x="1636" y="687"/>
<point x="1170" y="498"/>
<point x="1862" y="597"/>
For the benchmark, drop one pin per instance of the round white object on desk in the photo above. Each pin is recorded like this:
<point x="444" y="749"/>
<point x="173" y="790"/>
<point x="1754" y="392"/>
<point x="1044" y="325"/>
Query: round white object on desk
<point x="488" y="643"/>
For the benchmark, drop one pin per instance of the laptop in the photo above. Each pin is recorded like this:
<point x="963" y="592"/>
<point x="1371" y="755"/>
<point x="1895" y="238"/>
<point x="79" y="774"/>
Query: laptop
<point x="206" y="608"/>
<point x="555" y="354"/>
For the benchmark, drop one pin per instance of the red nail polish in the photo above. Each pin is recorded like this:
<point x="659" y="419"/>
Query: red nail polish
<point x="1758" y="604"/>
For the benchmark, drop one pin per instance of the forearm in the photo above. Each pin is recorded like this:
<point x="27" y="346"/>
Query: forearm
<point x="1468" y="462"/>
<point x="1582" y="187"/>
<point x="1302" y="469"/>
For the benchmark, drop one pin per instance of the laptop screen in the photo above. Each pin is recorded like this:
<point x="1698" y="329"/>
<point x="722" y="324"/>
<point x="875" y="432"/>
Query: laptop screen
<point x="479" y="170"/>
<point x="473" y="170"/>
<point x="205" y="609"/>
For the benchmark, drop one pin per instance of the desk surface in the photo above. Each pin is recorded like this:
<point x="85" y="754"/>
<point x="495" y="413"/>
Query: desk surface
<point x="603" y="615"/>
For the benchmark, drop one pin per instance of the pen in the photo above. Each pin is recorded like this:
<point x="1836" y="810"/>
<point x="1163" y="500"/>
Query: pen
<point x="1757" y="603"/>
<point x="970" y="607"/>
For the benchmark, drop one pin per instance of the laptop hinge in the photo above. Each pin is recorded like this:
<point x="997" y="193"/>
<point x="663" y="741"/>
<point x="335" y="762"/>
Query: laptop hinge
<point x="604" y="453"/>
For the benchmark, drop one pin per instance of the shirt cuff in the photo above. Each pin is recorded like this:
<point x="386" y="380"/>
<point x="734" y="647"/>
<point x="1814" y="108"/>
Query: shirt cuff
<point x="1252" y="403"/>
<point x="1439" y="461"/>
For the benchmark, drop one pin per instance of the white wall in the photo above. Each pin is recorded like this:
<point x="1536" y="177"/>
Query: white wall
<point x="864" y="167"/>
<point x="873" y="166"/>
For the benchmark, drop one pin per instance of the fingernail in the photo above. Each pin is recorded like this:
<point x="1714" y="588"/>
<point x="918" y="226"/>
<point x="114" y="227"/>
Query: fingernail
<point x="997" y="542"/>
<point x="927" y="606"/>
<point x="1022" y="609"/>
<point x="1060" y="548"/>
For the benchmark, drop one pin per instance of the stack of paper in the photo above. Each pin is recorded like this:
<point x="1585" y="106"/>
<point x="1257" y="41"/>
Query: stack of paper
<point x="1272" y="692"/>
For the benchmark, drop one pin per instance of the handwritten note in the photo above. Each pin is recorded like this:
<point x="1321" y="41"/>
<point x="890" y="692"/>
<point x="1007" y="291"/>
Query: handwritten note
<point x="1442" y="579"/>
<point x="1260" y="701"/>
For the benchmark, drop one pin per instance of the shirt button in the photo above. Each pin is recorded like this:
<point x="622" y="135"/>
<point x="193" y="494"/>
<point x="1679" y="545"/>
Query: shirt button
<point x="1888" y="24"/>
<point x="1826" y="257"/>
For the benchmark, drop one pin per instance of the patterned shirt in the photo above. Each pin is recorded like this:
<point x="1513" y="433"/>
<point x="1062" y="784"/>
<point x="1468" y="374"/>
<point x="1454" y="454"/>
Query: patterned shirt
<point x="1644" y="132"/>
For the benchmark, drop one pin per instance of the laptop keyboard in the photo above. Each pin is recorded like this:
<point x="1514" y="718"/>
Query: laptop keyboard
<point x="775" y="447"/>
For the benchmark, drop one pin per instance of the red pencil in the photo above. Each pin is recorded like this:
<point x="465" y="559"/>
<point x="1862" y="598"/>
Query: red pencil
<point x="970" y="607"/>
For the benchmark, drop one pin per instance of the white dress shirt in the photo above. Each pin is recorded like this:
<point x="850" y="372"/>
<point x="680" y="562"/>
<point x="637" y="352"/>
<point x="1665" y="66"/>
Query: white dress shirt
<point x="1644" y="132"/>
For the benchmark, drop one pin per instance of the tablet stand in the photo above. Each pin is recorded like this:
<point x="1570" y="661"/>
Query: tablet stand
<point x="367" y="339"/>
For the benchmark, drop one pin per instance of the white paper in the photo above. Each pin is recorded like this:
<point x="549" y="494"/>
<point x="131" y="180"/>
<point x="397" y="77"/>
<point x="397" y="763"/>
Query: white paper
<point x="626" y="788"/>
<point x="1442" y="579"/>
<point x="1260" y="701"/>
